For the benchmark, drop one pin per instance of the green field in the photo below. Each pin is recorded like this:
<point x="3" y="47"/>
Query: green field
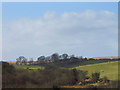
<point x="109" y="69"/>
<point x="34" y="67"/>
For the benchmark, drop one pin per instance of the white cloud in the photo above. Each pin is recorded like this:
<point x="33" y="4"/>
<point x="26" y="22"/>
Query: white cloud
<point x="71" y="32"/>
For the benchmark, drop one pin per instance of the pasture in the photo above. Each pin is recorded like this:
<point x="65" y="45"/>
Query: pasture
<point x="109" y="69"/>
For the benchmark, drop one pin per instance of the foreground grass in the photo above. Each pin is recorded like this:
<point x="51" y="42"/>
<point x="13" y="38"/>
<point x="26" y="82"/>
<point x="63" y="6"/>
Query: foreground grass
<point x="109" y="69"/>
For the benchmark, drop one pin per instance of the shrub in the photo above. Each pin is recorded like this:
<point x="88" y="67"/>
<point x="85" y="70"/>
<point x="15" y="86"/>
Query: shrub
<point x="82" y="75"/>
<point x="105" y="79"/>
<point x="95" y="76"/>
<point x="7" y="68"/>
<point x="75" y="74"/>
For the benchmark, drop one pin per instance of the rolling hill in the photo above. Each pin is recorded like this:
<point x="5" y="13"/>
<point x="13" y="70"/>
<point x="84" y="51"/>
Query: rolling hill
<point x="109" y="69"/>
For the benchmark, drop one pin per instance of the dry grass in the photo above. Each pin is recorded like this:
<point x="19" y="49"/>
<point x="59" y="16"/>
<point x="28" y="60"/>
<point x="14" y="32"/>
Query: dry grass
<point x="107" y="57"/>
<point x="9" y="61"/>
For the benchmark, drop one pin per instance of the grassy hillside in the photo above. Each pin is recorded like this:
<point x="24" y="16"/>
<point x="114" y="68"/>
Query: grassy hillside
<point x="109" y="69"/>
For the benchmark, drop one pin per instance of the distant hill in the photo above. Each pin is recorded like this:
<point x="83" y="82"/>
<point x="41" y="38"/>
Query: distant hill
<point x="9" y="61"/>
<point x="107" y="57"/>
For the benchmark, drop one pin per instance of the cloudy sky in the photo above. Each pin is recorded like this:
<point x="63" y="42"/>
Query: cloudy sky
<point x="84" y="29"/>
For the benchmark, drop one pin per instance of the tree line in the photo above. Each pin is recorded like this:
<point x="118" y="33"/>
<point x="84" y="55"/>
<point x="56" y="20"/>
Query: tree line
<point x="53" y="58"/>
<point x="61" y="60"/>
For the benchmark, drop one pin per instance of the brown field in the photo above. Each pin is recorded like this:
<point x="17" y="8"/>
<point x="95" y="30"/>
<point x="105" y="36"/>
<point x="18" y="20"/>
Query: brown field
<point x="108" y="57"/>
<point x="9" y="61"/>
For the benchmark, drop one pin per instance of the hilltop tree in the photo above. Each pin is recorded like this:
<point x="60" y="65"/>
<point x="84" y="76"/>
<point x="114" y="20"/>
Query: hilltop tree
<point x="41" y="58"/>
<point x="85" y="58"/>
<point x="21" y="60"/>
<point x="24" y="61"/>
<point x="18" y="61"/>
<point x="55" y="56"/>
<point x="60" y="57"/>
<point x="72" y="56"/>
<point x="81" y="57"/>
<point x="48" y="58"/>
<point x="64" y="56"/>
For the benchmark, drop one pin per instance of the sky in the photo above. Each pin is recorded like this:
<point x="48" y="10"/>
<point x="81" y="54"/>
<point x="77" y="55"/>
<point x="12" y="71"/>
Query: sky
<point x="85" y="29"/>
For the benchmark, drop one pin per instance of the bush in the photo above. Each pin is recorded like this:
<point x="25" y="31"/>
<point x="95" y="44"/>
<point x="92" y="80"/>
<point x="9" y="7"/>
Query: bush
<point x="82" y="75"/>
<point x="105" y="79"/>
<point x="95" y="76"/>
<point x="7" y="68"/>
<point x="75" y="74"/>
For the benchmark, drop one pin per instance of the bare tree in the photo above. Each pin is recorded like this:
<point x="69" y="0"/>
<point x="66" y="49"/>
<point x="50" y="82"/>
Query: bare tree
<point x="18" y="61"/>
<point x="64" y="56"/>
<point x="21" y="60"/>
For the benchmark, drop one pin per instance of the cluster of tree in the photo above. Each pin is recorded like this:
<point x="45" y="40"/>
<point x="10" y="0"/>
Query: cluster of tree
<point x="53" y="58"/>
<point x="56" y="57"/>
<point x="23" y="61"/>
<point x="61" y="60"/>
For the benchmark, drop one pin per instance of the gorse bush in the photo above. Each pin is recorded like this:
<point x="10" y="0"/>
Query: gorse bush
<point x="95" y="76"/>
